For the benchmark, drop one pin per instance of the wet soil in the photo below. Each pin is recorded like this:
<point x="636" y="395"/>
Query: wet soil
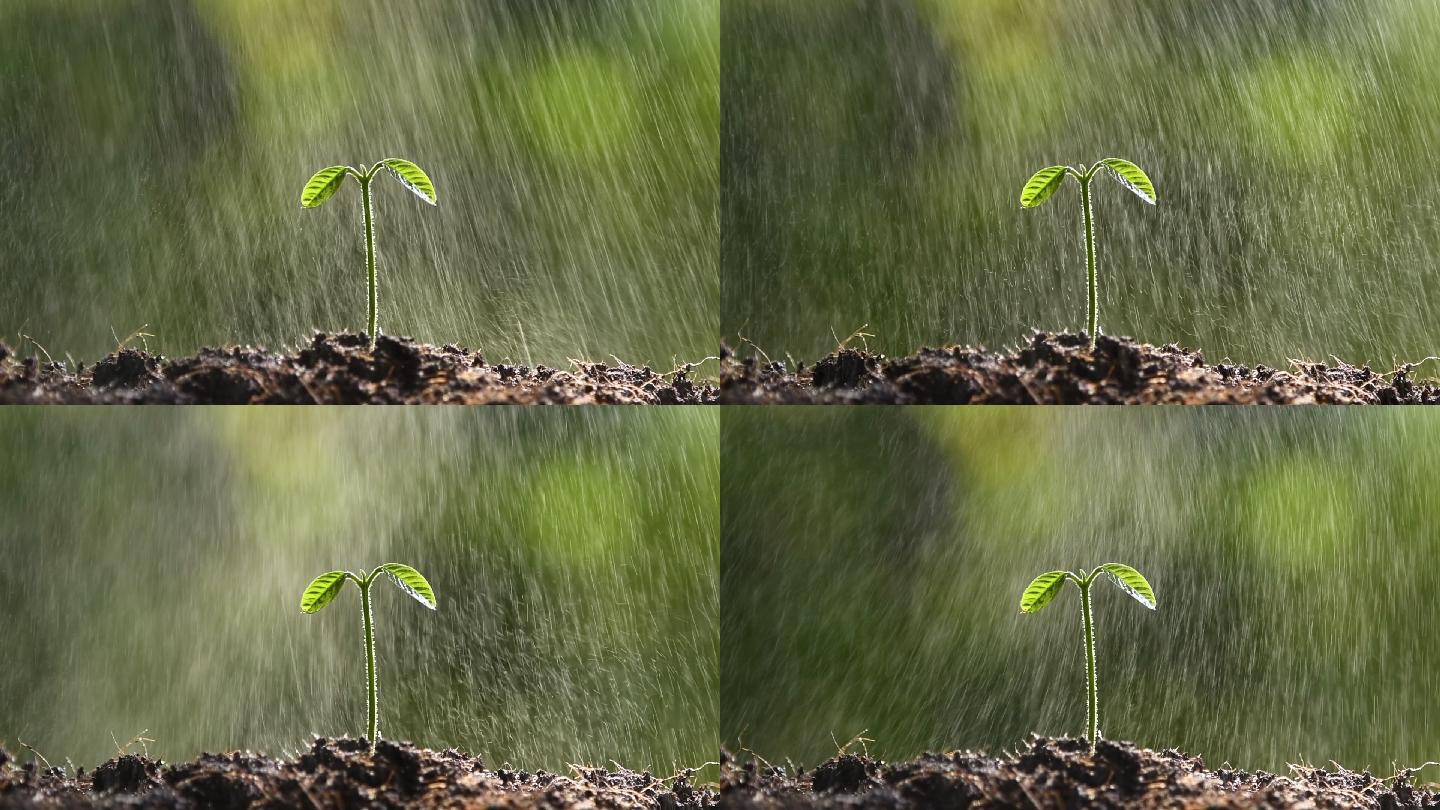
<point x="1059" y="773"/>
<point x="1060" y="369"/>
<point x="339" y="773"/>
<point x="343" y="370"/>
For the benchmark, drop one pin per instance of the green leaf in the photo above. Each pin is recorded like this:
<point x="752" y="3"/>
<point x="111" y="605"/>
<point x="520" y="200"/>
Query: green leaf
<point x="411" y="582"/>
<point x="1131" y="582"/>
<point x="1041" y="591"/>
<point x="413" y="177"/>
<point x="322" y="591"/>
<point x="322" y="186"/>
<point x="1132" y="177"/>
<point x="1041" y="185"/>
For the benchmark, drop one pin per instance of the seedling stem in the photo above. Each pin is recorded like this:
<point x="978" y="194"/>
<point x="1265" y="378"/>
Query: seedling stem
<point x="372" y="681"/>
<point x="1093" y="282"/>
<point x="372" y="322"/>
<point x="1092" y="705"/>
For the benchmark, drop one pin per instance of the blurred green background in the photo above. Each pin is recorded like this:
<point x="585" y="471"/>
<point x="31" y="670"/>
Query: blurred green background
<point x="154" y="563"/>
<point x="873" y="152"/>
<point x="872" y="562"/>
<point x="156" y="149"/>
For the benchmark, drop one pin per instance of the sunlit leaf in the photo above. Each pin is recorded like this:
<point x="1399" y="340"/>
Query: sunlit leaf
<point x="322" y="591"/>
<point x="1131" y="582"/>
<point x="413" y="177"/>
<point x="1132" y="177"/>
<point x="322" y="186"/>
<point x="411" y="582"/>
<point x="1041" y="185"/>
<point x="1041" y="591"/>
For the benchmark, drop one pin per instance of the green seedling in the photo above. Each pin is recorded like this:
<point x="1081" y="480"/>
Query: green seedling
<point x="323" y="185"/>
<point x="1042" y="591"/>
<point x="322" y="591"/>
<point x="1043" y="184"/>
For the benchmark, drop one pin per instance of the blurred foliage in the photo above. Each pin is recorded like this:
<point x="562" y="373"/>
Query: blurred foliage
<point x="156" y="561"/>
<point x="873" y="151"/>
<point x="872" y="562"/>
<point x="157" y="149"/>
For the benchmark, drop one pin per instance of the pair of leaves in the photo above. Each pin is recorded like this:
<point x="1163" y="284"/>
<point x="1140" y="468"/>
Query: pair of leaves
<point x="1043" y="589"/>
<point x="1044" y="183"/>
<point x="324" y="183"/>
<point x="323" y="589"/>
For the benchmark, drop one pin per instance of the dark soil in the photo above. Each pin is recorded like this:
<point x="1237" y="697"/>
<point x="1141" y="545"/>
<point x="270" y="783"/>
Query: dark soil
<point x="1058" y="773"/>
<point x="1060" y="370"/>
<point x="342" y="370"/>
<point x="340" y="774"/>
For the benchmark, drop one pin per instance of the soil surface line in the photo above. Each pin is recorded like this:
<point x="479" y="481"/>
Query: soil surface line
<point x="1058" y="773"/>
<point x="339" y="370"/>
<point x="1059" y="369"/>
<point x="337" y="773"/>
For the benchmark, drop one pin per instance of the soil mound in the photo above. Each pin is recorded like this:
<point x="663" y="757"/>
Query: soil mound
<point x="1059" y="773"/>
<point x="341" y="773"/>
<point x="341" y="370"/>
<point x="1060" y="369"/>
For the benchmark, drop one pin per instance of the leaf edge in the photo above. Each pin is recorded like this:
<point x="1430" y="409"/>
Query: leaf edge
<point x="1040" y="599"/>
<point x="314" y="604"/>
<point x="319" y="196"/>
<point x="1148" y="194"/>
<point x="1041" y="194"/>
<point x="429" y="195"/>
<point x="1146" y="598"/>
<point x="426" y="598"/>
